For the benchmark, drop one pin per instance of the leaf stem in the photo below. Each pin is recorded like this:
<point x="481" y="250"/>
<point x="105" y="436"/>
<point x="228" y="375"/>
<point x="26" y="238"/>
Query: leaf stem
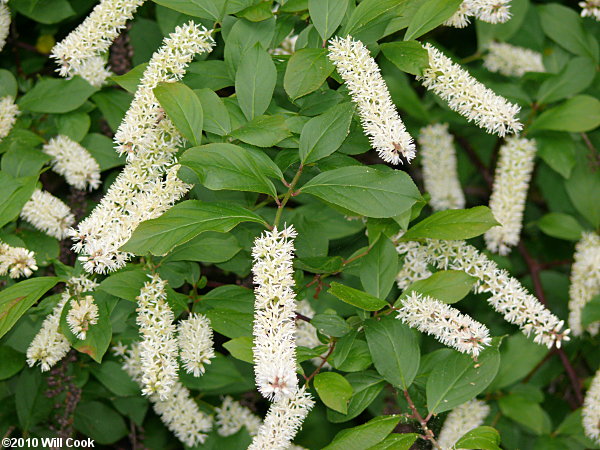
<point x="423" y="422"/>
<point x="287" y="195"/>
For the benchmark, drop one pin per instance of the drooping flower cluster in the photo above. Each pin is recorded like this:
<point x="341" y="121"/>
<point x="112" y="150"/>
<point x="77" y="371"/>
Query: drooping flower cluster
<point x="49" y="345"/>
<point x="195" y="341"/>
<point x="590" y="412"/>
<point x="148" y="185"/>
<point x="158" y="348"/>
<point x="439" y="168"/>
<point x="447" y="324"/>
<point x="460" y="421"/>
<point x="511" y="60"/>
<point x="4" y="22"/>
<point x="491" y="11"/>
<point x="49" y="214"/>
<point x="585" y="280"/>
<point x="74" y="162"/>
<point x="82" y="315"/>
<point x="8" y="115"/>
<point x="508" y="296"/>
<point x="415" y="266"/>
<point x="79" y="53"/>
<point x="275" y="305"/>
<point x="509" y="193"/>
<point x="180" y="413"/>
<point x="590" y="8"/>
<point x="232" y="417"/>
<point x="283" y="421"/>
<point x="16" y="261"/>
<point x="469" y="97"/>
<point x="378" y="115"/>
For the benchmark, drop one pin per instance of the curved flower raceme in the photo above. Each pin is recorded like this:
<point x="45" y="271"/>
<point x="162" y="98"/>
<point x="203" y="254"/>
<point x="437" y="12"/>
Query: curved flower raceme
<point x="8" y="115"/>
<point x="590" y="413"/>
<point x="490" y="11"/>
<point x="439" y="167"/>
<point x="158" y="348"/>
<point x="74" y="162"/>
<point x="378" y="115"/>
<point x="283" y="421"/>
<point x="590" y="8"/>
<point x="49" y="345"/>
<point x="4" y="22"/>
<point x="195" y="341"/>
<point x="49" y="214"/>
<point x="508" y="297"/>
<point x="79" y="52"/>
<point x="447" y="324"/>
<point x="511" y="60"/>
<point x="82" y="315"/>
<point x="180" y="413"/>
<point x="585" y="281"/>
<point x="17" y="262"/>
<point x="509" y="193"/>
<point x="469" y="97"/>
<point x="148" y="185"/>
<point x="232" y="417"/>
<point x="275" y="306"/>
<point x="460" y="421"/>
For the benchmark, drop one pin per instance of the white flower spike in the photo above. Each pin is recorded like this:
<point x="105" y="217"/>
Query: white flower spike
<point x="590" y="413"/>
<point x="511" y="60"/>
<point x="48" y="214"/>
<point x="590" y="8"/>
<point x="232" y="417"/>
<point x="8" y="115"/>
<point x="447" y="324"/>
<point x="439" y="167"/>
<point x="461" y="420"/>
<point x="4" y="23"/>
<point x="275" y="310"/>
<point x="17" y="262"/>
<point x="509" y="193"/>
<point x="74" y="162"/>
<point x="490" y="11"/>
<point x="469" y="97"/>
<point x="82" y="315"/>
<point x="585" y="281"/>
<point x="195" y="341"/>
<point x="377" y="112"/>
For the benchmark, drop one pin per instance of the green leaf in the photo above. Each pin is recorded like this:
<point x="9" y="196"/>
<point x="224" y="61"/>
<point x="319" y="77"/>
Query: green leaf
<point x="591" y="312"/>
<point x="114" y="378"/>
<point x="232" y="324"/>
<point x="216" y="117"/>
<point x="458" y="379"/>
<point x="448" y="286"/>
<point x="8" y="84"/>
<point x="241" y="348"/>
<point x="100" y="422"/>
<point x="320" y="264"/>
<point x="184" y="222"/>
<point x="394" y="349"/>
<point x="113" y="105"/>
<point x="46" y="12"/>
<point x="577" y="114"/>
<point x="583" y="188"/>
<point x="330" y="324"/>
<point x="183" y="108"/>
<point x="57" y="95"/>
<point x="557" y="150"/>
<point x="366" y="386"/>
<point x="524" y="411"/>
<point x="227" y="166"/>
<point x="255" y="81"/>
<point x="12" y="362"/>
<point x="126" y="284"/>
<point x="130" y="80"/>
<point x="209" y="247"/>
<point x="14" y="193"/>
<point x="206" y="9"/>
<point x="24" y="162"/>
<point x="263" y="131"/>
<point x="18" y="298"/>
<point x="324" y="134"/>
<point x="371" y="17"/>
<point x="408" y="56"/>
<point x="364" y="436"/>
<point x="334" y="391"/>
<point x="485" y="438"/>
<point x="575" y="77"/>
<point x="365" y="190"/>
<point x="326" y="15"/>
<point x="211" y="74"/>
<point x="564" y="26"/>
<point x="379" y="268"/>
<point x="561" y="226"/>
<point x="31" y="403"/>
<point x="74" y="125"/>
<point x="101" y="148"/>
<point x="306" y="71"/>
<point x="430" y="14"/>
<point x="396" y="441"/>
<point x="453" y="224"/>
<point x="356" y="298"/>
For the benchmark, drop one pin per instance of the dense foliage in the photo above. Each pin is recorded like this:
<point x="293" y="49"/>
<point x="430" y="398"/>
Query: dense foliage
<point x="281" y="128"/>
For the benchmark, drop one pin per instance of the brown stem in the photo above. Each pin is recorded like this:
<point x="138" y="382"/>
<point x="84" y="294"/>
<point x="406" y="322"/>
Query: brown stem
<point x="474" y="157"/>
<point x="318" y="369"/>
<point x="423" y="422"/>
<point x="302" y="317"/>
